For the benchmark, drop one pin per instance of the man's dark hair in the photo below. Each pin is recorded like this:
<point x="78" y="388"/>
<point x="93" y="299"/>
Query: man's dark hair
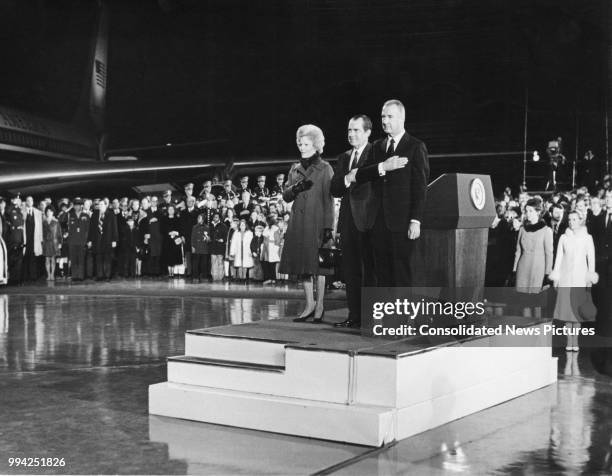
<point x="367" y="122"/>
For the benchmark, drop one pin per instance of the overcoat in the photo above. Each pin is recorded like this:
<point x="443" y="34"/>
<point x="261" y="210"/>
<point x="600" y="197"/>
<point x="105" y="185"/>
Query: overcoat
<point x="574" y="271"/>
<point x="240" y="249"/>
<point x="312" y="212"/>
<point x="533" y="259"/>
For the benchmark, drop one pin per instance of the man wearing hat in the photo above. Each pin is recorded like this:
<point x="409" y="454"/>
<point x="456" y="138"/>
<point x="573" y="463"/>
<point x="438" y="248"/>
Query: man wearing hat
<point x="244" y="186"/>
<point x="166" y="201"/>
<point x="261" y="192"/>
<point x="279" y="188"/>
<point x="78" y="230"/>
<point x="15" y="240"/>
<point x="182" y="201"/>
<point x="207" y="203"/>
<point x="276" y="195"/>
<point x="227" y="193"/>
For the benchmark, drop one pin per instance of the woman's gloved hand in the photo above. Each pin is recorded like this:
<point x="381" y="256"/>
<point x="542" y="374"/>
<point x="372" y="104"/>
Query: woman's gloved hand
<point x="302" y="186"/>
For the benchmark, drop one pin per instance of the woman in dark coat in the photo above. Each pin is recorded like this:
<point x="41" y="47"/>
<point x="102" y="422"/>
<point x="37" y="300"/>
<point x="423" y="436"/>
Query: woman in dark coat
<point x="52" y="241"/>
<point x="312" y="218"/>
<point x="172" y="242"/>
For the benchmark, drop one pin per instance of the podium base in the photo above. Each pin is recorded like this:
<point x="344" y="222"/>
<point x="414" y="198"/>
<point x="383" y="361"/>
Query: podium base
<point x="302" y="380"/>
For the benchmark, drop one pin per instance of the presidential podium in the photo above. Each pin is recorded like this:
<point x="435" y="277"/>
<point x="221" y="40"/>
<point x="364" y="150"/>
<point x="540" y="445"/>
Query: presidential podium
<point x="452" y="249"/>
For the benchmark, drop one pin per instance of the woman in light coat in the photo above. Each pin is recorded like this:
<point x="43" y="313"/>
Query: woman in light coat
<point x="573" y="274"/>
<point x="270" y="256"/>
<point x="533" y="259"/>
<point x="240" y="249"/>
<point x="534" y="250"/>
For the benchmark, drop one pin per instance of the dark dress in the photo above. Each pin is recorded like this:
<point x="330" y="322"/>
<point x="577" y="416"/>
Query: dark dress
<point x="311" y="213"/>
<point x="52" y="238"/>
<point x="172" y="252"/>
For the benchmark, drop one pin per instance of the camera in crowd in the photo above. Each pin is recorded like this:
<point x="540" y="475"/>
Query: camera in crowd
<point x="554" y="152"/>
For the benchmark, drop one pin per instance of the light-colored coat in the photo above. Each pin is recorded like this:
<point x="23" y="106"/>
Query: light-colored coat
<point x="271" y="246"/>
<point x="240" y="249"/>
<point x="575" y="261"/>
<point x="38" y="230"/>
<point x="574" y="271"/>
<point x="533" y="258"/>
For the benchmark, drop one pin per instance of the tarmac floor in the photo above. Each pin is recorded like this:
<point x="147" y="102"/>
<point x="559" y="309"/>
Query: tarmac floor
<point x="76" y="362"/>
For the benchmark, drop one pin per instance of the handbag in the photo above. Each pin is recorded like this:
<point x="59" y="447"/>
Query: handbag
<point x="587" y="310"/>
<point x="329" y="258"/>
<point x="143" y="252"/>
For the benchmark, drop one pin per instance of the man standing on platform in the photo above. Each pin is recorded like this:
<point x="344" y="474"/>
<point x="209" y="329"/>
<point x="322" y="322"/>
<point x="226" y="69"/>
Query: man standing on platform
<point x="103" y="238"/>
<point x="401" y="195"/>
<point x="357" y="210"/>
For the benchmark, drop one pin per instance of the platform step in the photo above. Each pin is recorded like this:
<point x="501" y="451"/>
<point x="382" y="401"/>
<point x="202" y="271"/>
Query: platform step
<point x="235" y="349"/>
<point x="227" y="363"/>
<point x="321" y="376"/>
<point x="359" y="424"/>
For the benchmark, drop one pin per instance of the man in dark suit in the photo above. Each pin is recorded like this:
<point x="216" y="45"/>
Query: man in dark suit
<point x="557" y="221"/>
<point x="78" y="229"/>
<point x="401" y="195"/>
<point x="602" y="238"/>
<point x="102" y="239"/>
<point x="355" y="218"/>
<point x="188" y="218"/>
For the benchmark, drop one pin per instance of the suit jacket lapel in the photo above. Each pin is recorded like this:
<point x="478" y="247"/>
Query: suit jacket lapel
<point x="403" y="143"/>
<point x="347" y="161"/>
<point x="365" y="151"/>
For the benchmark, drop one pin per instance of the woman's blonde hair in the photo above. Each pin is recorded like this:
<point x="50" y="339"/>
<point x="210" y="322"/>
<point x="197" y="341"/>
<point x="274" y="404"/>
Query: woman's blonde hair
<point x="314" y="133"/>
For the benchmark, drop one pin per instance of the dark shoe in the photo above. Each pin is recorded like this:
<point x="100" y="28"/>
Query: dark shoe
<point x="319" y="320"/>
<point x="303" y="319"/>
<point x="348" y="323"/>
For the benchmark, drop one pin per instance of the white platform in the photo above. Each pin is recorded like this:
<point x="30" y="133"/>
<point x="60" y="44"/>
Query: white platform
<point x="344" y="388"/>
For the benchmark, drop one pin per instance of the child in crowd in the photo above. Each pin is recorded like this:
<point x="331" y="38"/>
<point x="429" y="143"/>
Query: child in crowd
<point x="256" y="272"/>
<point x="240" y="250"/>
<point x="270" y="256"/>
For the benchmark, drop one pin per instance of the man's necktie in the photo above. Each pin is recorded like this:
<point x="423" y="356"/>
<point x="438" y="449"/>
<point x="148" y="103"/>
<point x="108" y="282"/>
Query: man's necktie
<point x="101" y="222"/>
<point x="355" y="160"/>
<point x="555" y="228"/>
<point x="609" y="221"/>
<point x="390" y="147"/>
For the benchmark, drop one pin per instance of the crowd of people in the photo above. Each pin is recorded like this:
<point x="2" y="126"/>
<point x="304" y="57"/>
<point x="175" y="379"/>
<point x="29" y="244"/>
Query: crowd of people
<point x="373" y="200"/>
<point x="563" y="241"/>
<point x="225" y="232"/>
